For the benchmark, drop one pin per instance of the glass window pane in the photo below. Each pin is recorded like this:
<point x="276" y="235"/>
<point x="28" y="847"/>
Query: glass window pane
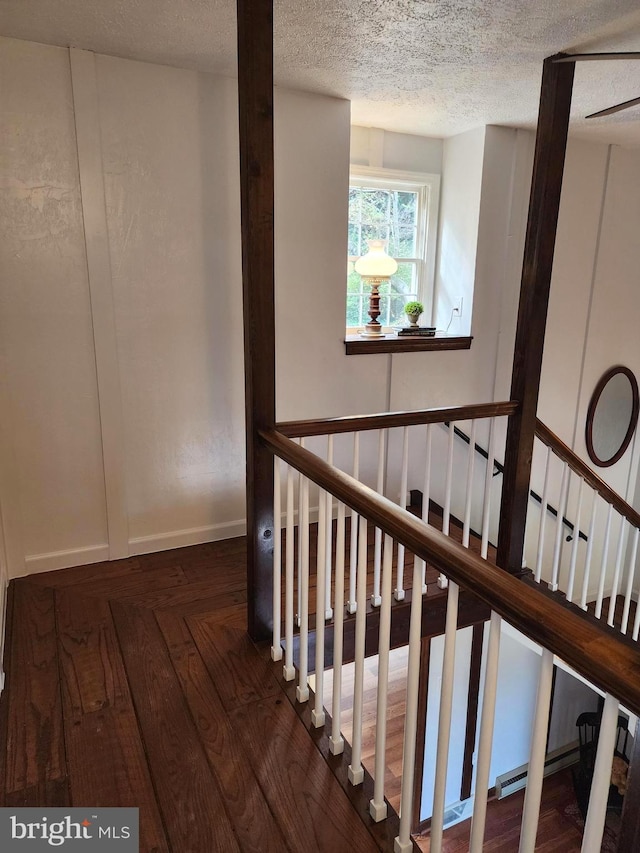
<point x="402" y="225"/>
<point x="354" y="283"/>
<point x="354" y="309"/>
<point x="406" y="243"/>
<point x="375" y="207"/>
<point x="354" y="240"/>
<point x="383" y="214"/>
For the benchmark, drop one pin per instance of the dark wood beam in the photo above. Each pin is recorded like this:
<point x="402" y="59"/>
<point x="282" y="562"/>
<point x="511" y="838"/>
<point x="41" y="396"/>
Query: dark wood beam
<point x="255" y="103"/>
<point x="423" y="692"/>
<point x="472" y="711"/>
<point x="434" y="611"/>
<point x="544" y="203"/>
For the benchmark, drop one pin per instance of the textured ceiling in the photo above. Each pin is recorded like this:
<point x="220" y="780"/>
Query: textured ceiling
<point x="433" y="68"/>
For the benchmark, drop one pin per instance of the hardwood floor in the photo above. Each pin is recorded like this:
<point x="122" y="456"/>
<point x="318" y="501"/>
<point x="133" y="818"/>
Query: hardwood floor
<point x="134" y="683"/>
<point x="557" y="829"/>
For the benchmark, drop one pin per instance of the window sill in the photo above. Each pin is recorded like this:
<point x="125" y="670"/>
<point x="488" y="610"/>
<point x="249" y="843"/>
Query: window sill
<point x="356" y="345"/>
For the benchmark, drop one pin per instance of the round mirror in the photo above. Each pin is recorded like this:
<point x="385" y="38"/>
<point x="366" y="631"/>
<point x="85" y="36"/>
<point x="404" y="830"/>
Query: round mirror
<point x="612" y="416"/>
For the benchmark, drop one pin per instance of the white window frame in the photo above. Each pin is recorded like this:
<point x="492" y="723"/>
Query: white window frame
<point x="428" y="188"/>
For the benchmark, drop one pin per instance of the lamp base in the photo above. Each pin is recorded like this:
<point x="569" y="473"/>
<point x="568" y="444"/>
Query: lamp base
<point x="372" y="330"/>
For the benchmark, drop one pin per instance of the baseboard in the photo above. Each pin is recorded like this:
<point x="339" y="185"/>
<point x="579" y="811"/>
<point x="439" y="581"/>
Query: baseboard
<point x="36" y="563"/>
<point x="184" y="538"/>
<point x="516" y="780"/>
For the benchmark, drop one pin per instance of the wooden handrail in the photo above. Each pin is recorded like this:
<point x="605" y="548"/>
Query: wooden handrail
<point x="356" y="423"/>
<point x="608" y="661"/>
<point x="582" y="470"/>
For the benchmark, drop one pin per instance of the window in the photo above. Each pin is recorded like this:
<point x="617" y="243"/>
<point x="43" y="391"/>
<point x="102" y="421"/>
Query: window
<point x="400" y="208"/>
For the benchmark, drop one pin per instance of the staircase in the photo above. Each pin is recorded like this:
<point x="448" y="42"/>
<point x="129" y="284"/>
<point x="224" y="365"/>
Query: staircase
<point x="360" y="565"/>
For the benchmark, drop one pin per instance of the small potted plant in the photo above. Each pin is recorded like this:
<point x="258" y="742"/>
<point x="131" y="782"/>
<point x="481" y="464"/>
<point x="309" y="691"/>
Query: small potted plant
<point x="413" y="310"/>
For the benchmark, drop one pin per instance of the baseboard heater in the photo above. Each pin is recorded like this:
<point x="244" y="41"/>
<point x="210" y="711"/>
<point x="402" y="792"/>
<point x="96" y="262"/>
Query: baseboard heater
<point x="516" y="779"/>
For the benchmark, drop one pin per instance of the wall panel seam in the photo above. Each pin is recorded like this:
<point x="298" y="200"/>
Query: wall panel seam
<point x="92" y="192"/>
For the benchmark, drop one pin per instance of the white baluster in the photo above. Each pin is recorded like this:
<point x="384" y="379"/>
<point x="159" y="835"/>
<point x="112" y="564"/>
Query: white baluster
<point x="596" y="814"/>
<point x="399" y="590"/>
<point x="353" y="556"/>
<point x="378" y="806"/>
<point x="488" y="481"/>
<point x="302" y="691"/>
<point x="403" y="843"/>
<point x="446" y="512"/>
<point x="622" y="536"/>
<point x="299" y="610"/>
<point x="288" y="671"/>
<point x="276" y="645"/>
<point x="317" y="715"/>
<point x="603" y="563"/>
<point x="630" y="574"/>
<point x="589" y="554"/>
<point x="355" y="771"/>
<point x="444" y="719"/>
<point x="426" y="493"/>
<point x="485" y="744"/>
<point x="336" y="741"/>
<point x="557" y="545"/>
<point x="377" y="547"/>
<point x="575" y="543"/>
<point x="543" y="517"/>
<point x="328" y="610"/>
<point x="466" y="527"/>
<point x="535" y="777"/>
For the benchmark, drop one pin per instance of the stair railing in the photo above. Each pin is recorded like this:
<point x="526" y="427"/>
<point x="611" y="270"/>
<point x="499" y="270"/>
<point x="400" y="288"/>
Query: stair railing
<point x="593" y="650"/>
<point x="603" y="566"/>
<point x="498" y="468"/>
<point x="377" y="449"/>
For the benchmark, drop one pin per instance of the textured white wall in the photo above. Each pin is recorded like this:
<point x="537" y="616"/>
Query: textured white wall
<point x="458" y="229"/>
<point x="314" y="377"/>
<point x="167" y="154"/>
<point x="171" y="180"/>
<point x="53" y="490"/>
<point x="592" y="325"/>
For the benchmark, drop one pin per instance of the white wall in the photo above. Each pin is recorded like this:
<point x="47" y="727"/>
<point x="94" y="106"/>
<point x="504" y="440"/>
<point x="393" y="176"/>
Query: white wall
<point x="53" y="497"/>
<point x="518" y="670"/>
<point x="164" y="152"/>
<point x="458" y="229"/>
<point x="315" y="378"/>
<point x="458" y="720"/>
<point x="593" y="308"/>
<point x="483" y="199"/>
<point x="372" y="146"/>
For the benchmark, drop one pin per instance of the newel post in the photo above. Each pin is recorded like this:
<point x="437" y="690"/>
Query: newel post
<point x="544" y="203"/>
<point x="255" y="103"/>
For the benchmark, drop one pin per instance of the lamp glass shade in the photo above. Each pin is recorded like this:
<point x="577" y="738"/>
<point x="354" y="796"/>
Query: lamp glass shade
<point x="376" y="263"/>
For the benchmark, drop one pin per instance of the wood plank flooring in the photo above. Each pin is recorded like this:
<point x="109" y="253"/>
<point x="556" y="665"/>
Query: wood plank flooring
<point x="134" y="683"/>
<point x="557" y="829"/>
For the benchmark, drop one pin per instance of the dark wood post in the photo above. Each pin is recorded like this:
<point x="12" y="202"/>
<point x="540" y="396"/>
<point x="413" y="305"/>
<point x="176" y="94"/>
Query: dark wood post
<point x="473" y="700"/>
<point x="255" y="102"/>
<point x="544" y="202"/>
